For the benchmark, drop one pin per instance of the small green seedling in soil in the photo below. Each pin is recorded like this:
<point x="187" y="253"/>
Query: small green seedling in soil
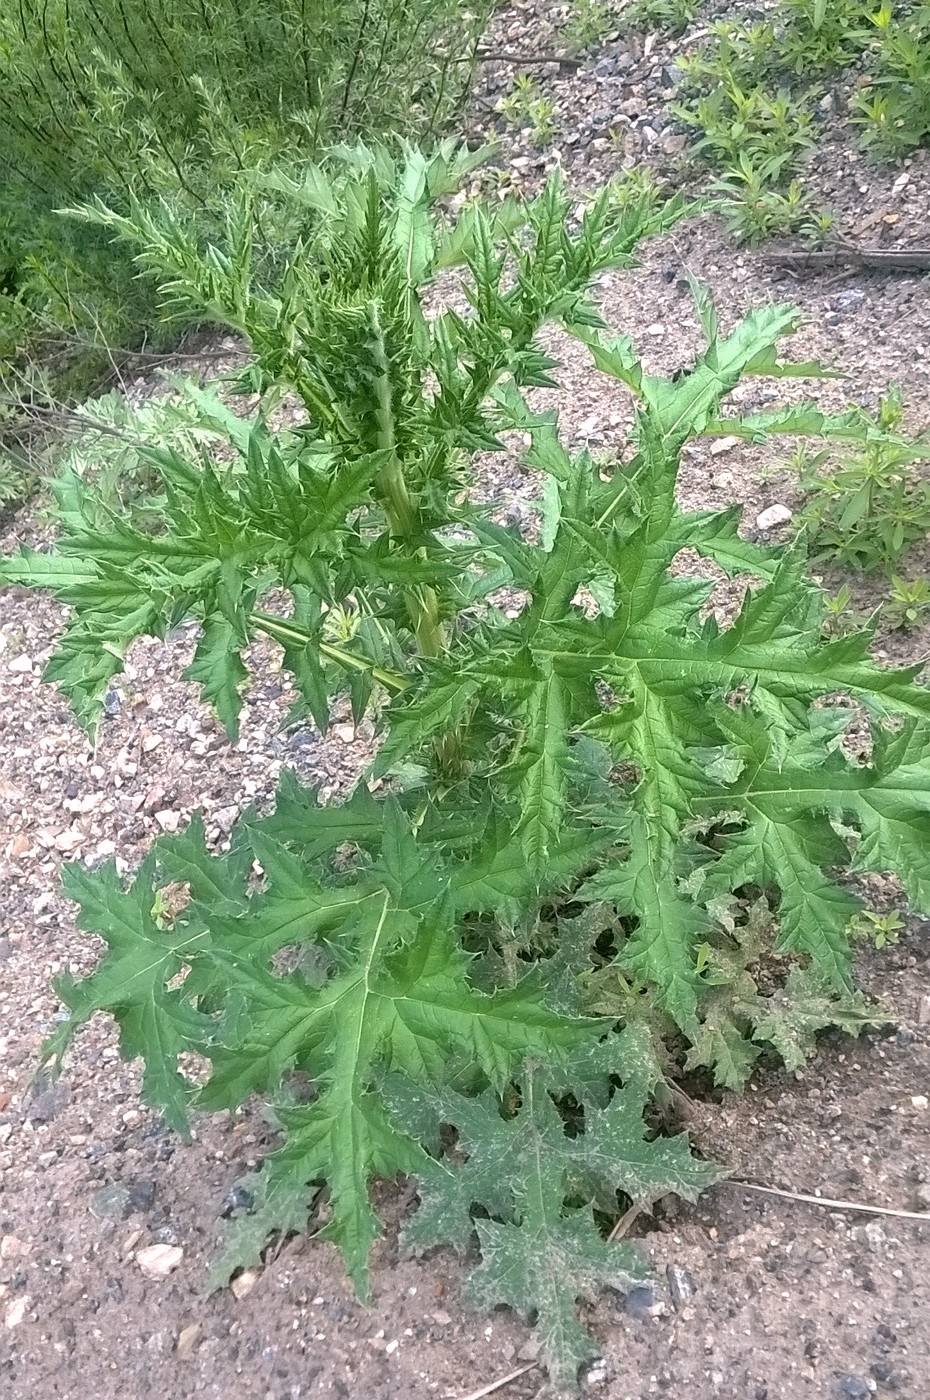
<point x="527" y="106"/>
<point x="894" y="110"/>
<point x="908" y="603"/>
<point x="770" y="129"/>
<point x="535" y="902"/>
<point x="840" y="617"/>
<point x="814" y="36"/>
<point x="588" y="24"/>
<point x="673" y="16"/>
<point x="591" y="21"/>
<point x="879" y="929"/>
<point x="867" y="510"/>
<point x="755" y="208"/>
<point x="738" y="54"/>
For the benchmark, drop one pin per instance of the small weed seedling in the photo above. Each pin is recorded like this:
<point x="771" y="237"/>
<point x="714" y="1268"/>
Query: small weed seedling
<point x="839" y="616"/>
<point x="608" y="833"/>
<point x="867" y="510"/>
<point x="878" y="929"/>
<point x="527" y="106"/>
<point x="894" y="111"/>
<point x="590" y="21"/>
<point x="756" y="139"/>
<point x="814" y="36"/>
<point x="908" y="603"/>
<point x="673" y="16"/>
<point x="755" y="208"/>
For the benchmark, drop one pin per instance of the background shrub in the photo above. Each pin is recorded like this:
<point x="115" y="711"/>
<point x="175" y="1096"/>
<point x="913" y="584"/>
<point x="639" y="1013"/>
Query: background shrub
<point x="116" y="100"/>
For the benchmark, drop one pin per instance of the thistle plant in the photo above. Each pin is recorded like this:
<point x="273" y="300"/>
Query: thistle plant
<point x="594" y="819"/>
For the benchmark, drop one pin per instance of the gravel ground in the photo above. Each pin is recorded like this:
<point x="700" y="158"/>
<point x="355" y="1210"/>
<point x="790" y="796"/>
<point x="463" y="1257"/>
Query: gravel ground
<point x="756" y="1297"/>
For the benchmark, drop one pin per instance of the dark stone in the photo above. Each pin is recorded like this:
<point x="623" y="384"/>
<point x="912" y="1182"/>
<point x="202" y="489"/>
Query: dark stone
<point x="605" y="68"/>
<point x="142" y="1196"/>
<point x="48" y="1103"/>
<point x="110" y="1203"/>
<point x="854" y="1388"/>
<point x="237" y="1199"/>
<point x="6" y="950"/>
<point x="669" y="271"/>
<point x="639" y="1300"/>
<point x="303" y="739"/>
<point x="848" y="301"/>
<point x="112" y="704"/>
<point x="167" y="1234"/>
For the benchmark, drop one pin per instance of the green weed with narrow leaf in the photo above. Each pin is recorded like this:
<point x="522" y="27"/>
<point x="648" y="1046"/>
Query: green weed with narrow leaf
<point x="526" y="105"/>
<point x="748" y="92"/>
<point x="880" y="930"/>
<point x="867" y="509"/>
<point x="841" y="616"/>
<point x="606" y="826"/>
<point x="907" y="604"/>
<point x="815" y="36"/>
<point x="589" y="22"/>
<point x="14" y="482"/>
<point x="894" y="110"/>
<point x="755" y="208"/>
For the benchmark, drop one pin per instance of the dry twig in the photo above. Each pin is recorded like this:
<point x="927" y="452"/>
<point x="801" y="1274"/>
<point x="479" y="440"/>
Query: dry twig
<point x="828" y="1202"/>
<point x="871" y="259"/>
<point x="623" y="1224"/>
<point x="499" y="1385"/>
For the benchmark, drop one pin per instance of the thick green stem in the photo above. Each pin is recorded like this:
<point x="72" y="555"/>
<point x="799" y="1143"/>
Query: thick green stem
<point x="422" y="603"/>
<point x="288" y="634"/>
<point x="391" y="483"/>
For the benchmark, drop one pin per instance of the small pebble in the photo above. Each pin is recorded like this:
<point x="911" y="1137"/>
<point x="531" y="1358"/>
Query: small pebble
<point x="681" y="1286"/>
<point x="597" y="1375"/>
<point x="12" y="1248"/>
<point x="47" y="1104"/>
<point x="187" y="1340"/>
<point x="142" y="1196"/>
<point x="640" y="1301"/>
<point x="157" y="1261"/>
<point x="854" y="1388"/>
<point x="772" y="517"/>
<point x="243" y="1284"/>
<point x="848" y="301"/>
<point x="110" y="1203"/>
<point x="16" y="1312"/>
<point x="237" y="1199"/>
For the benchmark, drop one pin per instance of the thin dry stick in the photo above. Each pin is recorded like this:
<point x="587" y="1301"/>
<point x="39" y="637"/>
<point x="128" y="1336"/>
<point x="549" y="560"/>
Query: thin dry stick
<point x="828" y="1202"/>
<point x="623" y="1224"/>
<point x="499" y="1385"/>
